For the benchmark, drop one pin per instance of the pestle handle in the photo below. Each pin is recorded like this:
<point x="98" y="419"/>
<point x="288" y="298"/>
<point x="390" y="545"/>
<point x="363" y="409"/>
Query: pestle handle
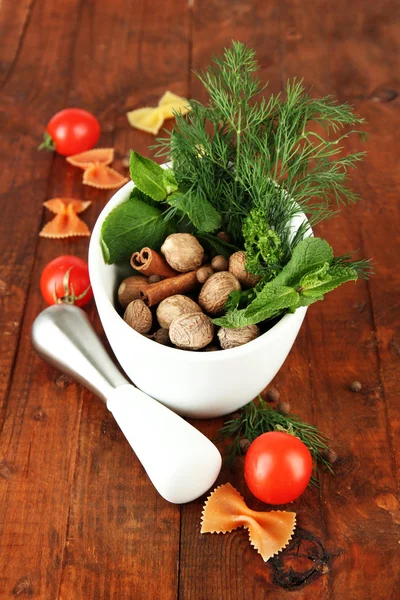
<point x="179" y="460"/>
<point x="64" y="337"/>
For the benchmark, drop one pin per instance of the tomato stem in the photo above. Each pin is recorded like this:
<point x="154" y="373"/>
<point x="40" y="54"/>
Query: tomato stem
<point x="69" y="296"/>
<point x="48" y="143"/>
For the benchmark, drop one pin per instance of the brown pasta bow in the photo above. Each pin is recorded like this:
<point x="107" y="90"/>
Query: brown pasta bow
<point x="97" y="173"/>
<point x="66" y="223"/>
<point x="226" y="510"/>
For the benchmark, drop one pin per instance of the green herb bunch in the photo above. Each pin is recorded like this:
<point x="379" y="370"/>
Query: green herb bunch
<point x="259" y="417"/>
<point x="252" y="168"/>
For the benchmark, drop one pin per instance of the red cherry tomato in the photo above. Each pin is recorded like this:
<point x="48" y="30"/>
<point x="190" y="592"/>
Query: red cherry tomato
<point x="66" y="280"/>
<point x="277" y="467"/>
<point x="71" y="131"/>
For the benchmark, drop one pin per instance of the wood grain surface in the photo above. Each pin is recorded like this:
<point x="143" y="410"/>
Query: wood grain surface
<point x="78" y="516"/>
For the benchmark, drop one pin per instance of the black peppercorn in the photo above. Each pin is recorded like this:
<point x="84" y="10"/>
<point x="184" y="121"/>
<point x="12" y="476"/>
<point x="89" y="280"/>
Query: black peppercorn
<point x="244" y="445"/>
<point x="273" y="395"/>
<point x="283" y="407"/>
<point x="355" y="386"/>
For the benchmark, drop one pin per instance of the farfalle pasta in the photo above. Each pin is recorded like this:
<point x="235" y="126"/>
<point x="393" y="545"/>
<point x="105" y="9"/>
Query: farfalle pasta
<point x="151" y="119"/>
<point x="226" y="510"/>
<point x="146" y="119"/>
<point x="102" y="177"/>
<point x="170" y="103"/>
<point x="97" y="173"/>
<point x="66" y="223"/>
<point x="104" y="156"/>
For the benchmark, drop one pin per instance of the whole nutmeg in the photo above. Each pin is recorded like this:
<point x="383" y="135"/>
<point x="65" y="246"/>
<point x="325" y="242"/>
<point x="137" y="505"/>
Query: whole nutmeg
<point x="237" y="267"/>
<point x="204" y="273"/>
<point x="130" y="289"/>
<point x="183" y="252"/>
<point x="219" y="263"/>
<point x="225" y="237"/>
<point x="138" y="316"/>
<point x="161" y="336"/>
<point x="231" y="338"/>
<point x="191" y="332"/>
<point x="173" y="307"/>
<point x="214" y="293"/>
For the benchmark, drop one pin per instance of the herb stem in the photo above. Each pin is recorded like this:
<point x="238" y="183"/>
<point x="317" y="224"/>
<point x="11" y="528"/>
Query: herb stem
<point x="258" y="417"/>
<point x="237" y="161"/>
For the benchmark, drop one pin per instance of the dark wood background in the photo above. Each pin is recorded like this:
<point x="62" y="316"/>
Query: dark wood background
<point x="78" y="517"/>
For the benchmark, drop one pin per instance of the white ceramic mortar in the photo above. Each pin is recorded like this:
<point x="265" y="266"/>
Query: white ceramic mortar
<point x="196" y="384"/>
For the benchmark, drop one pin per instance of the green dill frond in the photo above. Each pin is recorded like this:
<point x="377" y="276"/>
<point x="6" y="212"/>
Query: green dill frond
<point x="235" y="150"/>
<point x="259" y="417"/>
<point x="278" y="156"/>
<point x="363" y="267"/>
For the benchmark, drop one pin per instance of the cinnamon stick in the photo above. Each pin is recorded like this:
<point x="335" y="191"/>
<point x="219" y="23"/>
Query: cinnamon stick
<point x="181" y="284"/>
<point x="149" y="262"/>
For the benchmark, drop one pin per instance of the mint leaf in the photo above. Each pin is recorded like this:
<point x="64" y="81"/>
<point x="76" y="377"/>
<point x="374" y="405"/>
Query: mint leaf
<point x="303" y="281"/>
<point x="131" y="226"/>
<point x="314" y="285"/>
<point x="272" y="300"/>
<point x="105" y="250"/>
<point x="199" y="210"/>
<point x="309" y="255"/>
<point x="148" y="176"/>
<point x="233" y="319"/>
<point x="169" y="181"/>
<point x="314" y="278"/>
<point x="324" y="283"/>
<point x="136" y="193"/>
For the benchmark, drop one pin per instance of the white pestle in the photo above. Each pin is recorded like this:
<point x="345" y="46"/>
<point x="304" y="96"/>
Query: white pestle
<point x="180" y="461"/>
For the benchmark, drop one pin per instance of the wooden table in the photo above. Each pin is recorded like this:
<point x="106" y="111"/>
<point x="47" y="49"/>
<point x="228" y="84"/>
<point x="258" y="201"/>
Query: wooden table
<point x="79" y="518"/>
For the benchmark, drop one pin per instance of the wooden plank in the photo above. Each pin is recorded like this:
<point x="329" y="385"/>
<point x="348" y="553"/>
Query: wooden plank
<point x="360" y="503"/>
<point x="14" y="22"/>
<point x="40" y="437"/>
<point x="379" y="183"/>
<point x="26" y="484"/>
<point x="234" y="570"/>
<point x="256" y="23"/>
<point x="27" y="100"/>
<point x="129" y="545"/>
<point x="69" y="523"/>
<point x="51" y="539"/>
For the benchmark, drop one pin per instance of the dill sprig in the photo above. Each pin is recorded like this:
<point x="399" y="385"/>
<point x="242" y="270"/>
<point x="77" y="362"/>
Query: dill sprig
<point x="259" y="417"/>
<point x="363" y="267"/>
<point x="250" y="166"/>
<point x="242" y="154"/>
